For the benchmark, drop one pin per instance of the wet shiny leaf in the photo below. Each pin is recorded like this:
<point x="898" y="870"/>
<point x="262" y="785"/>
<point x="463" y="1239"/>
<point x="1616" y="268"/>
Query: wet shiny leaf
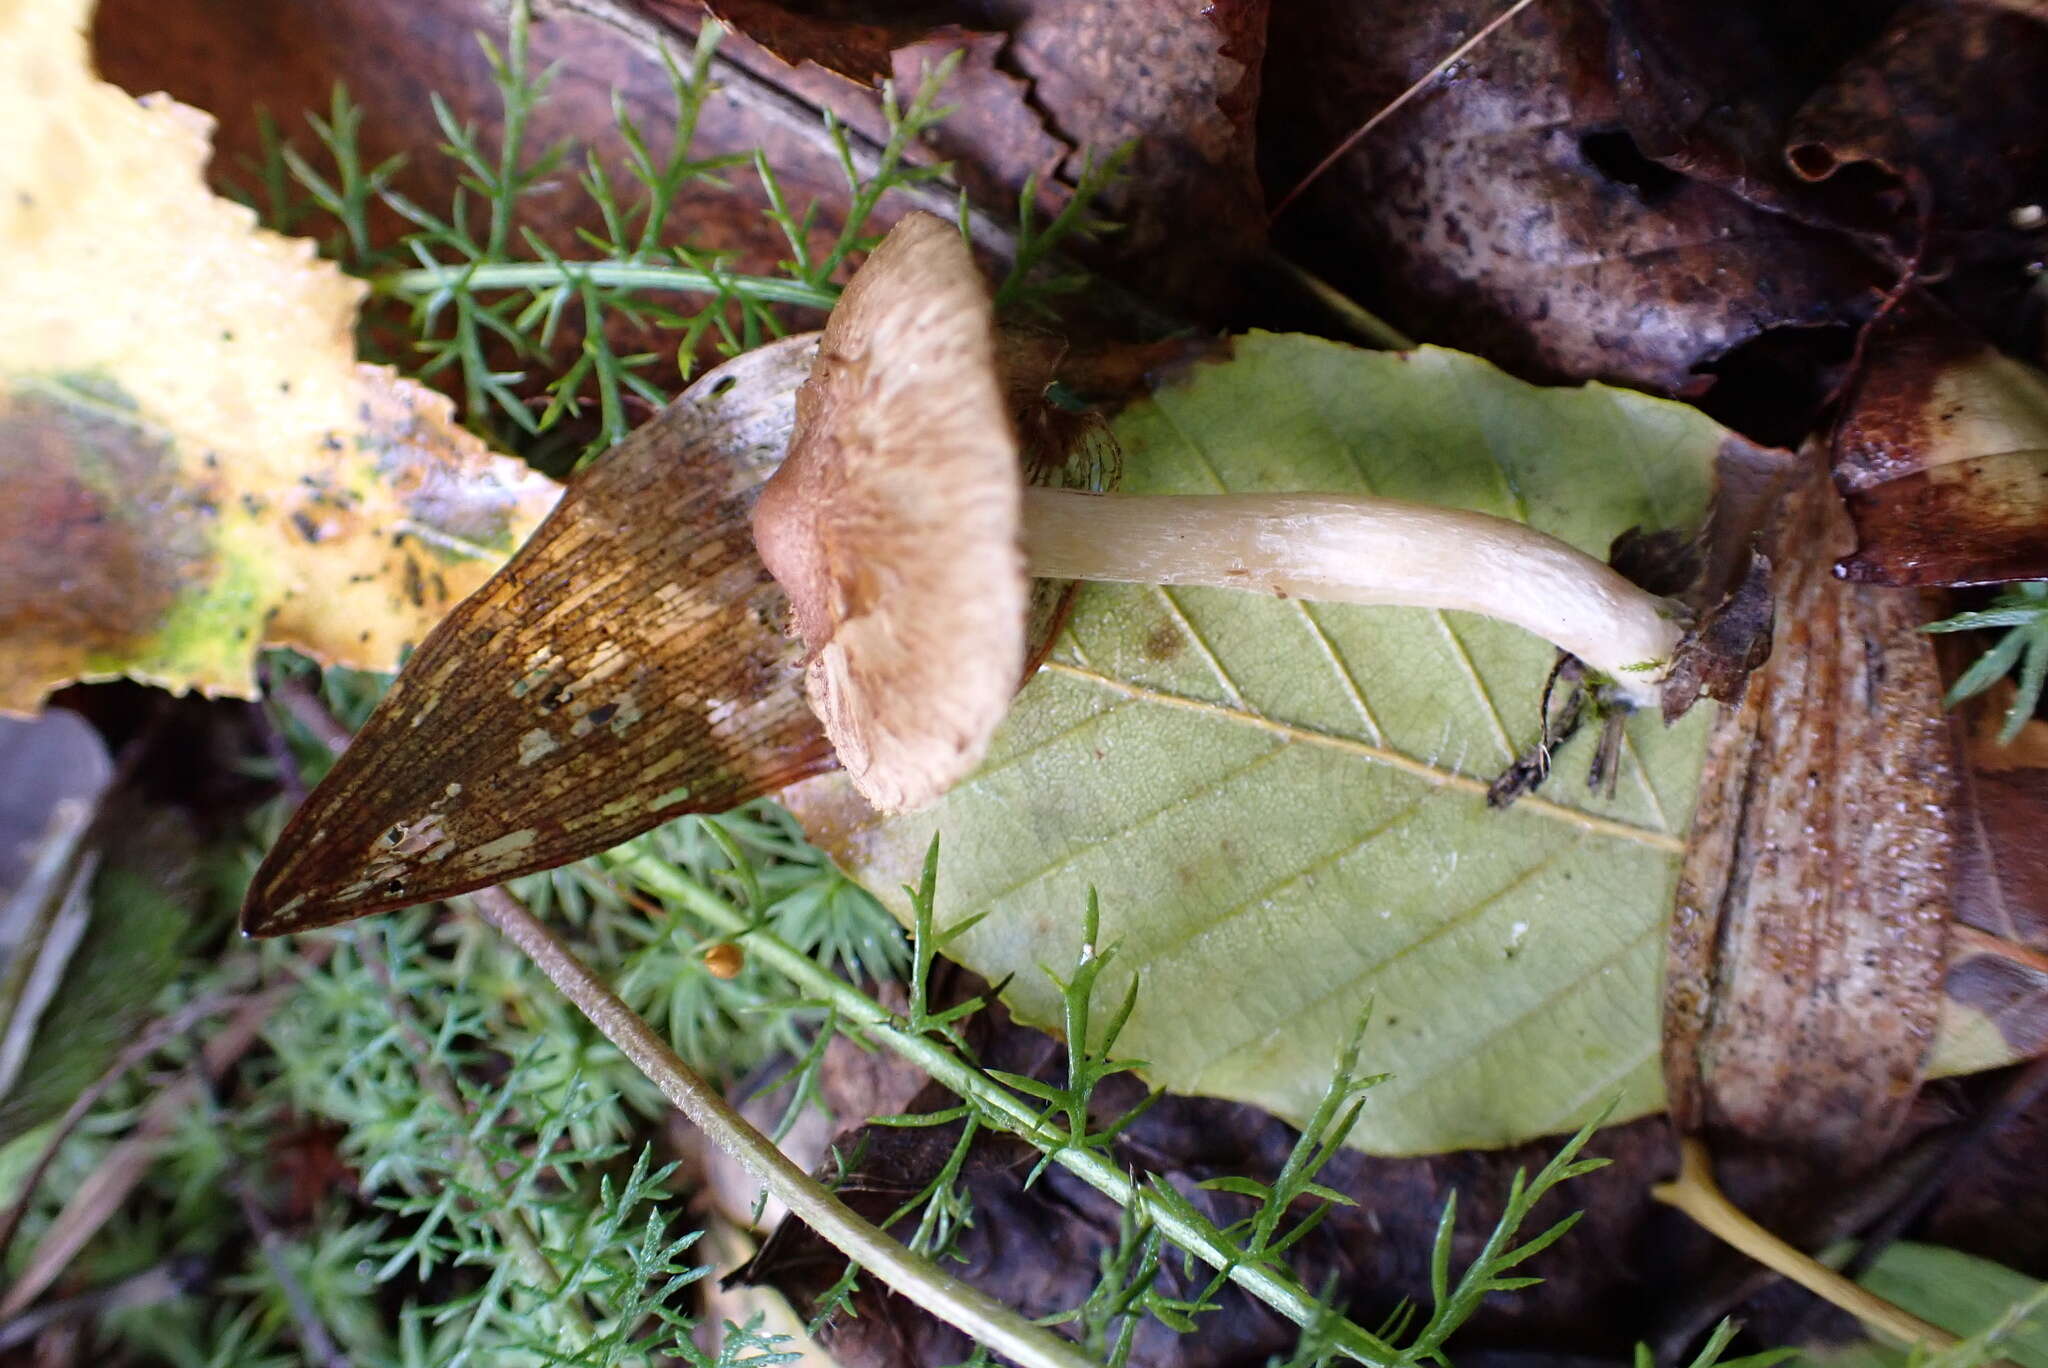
<point x="1942" y="451"/>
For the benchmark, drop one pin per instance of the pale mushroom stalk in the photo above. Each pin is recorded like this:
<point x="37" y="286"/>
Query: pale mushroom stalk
<point x="1355" y="549"/>
<point x="901" y="527"/>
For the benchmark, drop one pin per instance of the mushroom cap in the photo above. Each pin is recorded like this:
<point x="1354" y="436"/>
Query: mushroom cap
<point x="894" y="524"/>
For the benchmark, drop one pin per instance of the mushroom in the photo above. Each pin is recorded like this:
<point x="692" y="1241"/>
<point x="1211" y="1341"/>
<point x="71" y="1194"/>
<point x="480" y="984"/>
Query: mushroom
<point x="901" y="531"/>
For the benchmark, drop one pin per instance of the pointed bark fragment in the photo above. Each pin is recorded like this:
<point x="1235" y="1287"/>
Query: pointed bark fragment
<point x="627" y="666"/>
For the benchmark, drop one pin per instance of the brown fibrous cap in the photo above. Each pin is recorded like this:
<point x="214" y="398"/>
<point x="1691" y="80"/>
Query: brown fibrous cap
<point x="894" y="523"/>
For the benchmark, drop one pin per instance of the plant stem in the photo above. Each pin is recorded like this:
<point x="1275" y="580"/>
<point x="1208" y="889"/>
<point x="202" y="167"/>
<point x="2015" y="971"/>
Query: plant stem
<point x="1376" y="331"/>
<point x="1696" y="1194"/>
<point x="505" y="1217"/>
<point x="536" y="275"/>
<point x="1012" y="1113"/>
<point x="980" y="1316"/>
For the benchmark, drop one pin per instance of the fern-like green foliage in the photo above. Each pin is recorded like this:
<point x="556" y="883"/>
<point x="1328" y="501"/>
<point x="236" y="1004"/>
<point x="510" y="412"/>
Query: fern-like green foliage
<point x="2022" y="611"/>
<point x="490" y="303"/>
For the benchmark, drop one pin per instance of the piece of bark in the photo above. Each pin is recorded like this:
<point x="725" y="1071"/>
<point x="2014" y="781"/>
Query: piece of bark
<point x="1809" y="932"/>
<point x="627" y="665"/>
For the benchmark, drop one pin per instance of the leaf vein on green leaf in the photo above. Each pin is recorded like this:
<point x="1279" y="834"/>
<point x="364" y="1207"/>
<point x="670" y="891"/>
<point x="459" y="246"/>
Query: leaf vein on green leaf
<point x="1605" y="826"/>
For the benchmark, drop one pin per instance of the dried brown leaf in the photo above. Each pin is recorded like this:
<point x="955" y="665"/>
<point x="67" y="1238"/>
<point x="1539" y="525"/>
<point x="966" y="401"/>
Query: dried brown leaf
<point x="853" y="41"/>
<point x="1711" y="91"/>
<point x="1917" y="102"/>
<point x="1507" y="211"/>
<point x="1802" y="988"/>
<point x="1942" y="452"/>
<point x="1179" y="79"/>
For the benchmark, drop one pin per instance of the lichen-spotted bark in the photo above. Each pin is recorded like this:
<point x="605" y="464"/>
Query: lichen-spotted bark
<point x="1806" y="954"/>
<point x="627" y="666"/>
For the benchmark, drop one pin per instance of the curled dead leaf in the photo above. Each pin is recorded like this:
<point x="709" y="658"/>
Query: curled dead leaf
<point x="1506" y="210"/>
<point x="1942" y="452"/>
<point x="1912" y="104"/>
<point x="1808" y="937"/>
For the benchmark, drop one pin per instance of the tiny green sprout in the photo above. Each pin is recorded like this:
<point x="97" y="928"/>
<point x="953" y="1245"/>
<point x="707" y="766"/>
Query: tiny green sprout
<point x="2023" y="611"/>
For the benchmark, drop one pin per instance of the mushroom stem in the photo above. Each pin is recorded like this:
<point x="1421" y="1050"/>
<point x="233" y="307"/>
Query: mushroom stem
<point x="1355" y="549"/>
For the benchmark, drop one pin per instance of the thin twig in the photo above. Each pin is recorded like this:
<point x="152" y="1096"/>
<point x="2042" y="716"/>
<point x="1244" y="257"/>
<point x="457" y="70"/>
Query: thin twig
<point x="1008" y="1111"/>
<point x="1358" y="134"/>
<point x="511" y="1224"/>
<point x="153" y="1038"/>
<point x="306" y="708"/>
<point x="1696" y="1194"/>
<point x="108" y="1186"/>
<point x="314" y="1339"/>
<point x="1346" y="311"/>
<point x="983" y="1318"/>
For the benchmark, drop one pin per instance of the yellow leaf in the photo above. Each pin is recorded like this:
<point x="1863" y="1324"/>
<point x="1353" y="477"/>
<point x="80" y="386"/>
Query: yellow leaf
<point x="191" y="460"/>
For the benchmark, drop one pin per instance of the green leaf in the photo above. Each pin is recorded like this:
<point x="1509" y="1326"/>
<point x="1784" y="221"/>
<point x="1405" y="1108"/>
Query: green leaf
<point x="1962" y="1294"/>
<point x="1282" y="803"/>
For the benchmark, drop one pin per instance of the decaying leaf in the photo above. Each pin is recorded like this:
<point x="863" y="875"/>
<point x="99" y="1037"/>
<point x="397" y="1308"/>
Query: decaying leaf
<point x="1803" y="988"/>
<point x="1179" y="79"/>
<point x="1506" y="210"/>
<point x="628" y="665"/>
<point x="1942" y="452"/>
<point x="194" y="462"/>
<point x="1871" y="120"/>
<point x="1913" y="102"/>
<point x="1711" y="92"/>
<point x="857" y="46"/>
<point x="996" y="137"/>
<point x="2000" y="981"/>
